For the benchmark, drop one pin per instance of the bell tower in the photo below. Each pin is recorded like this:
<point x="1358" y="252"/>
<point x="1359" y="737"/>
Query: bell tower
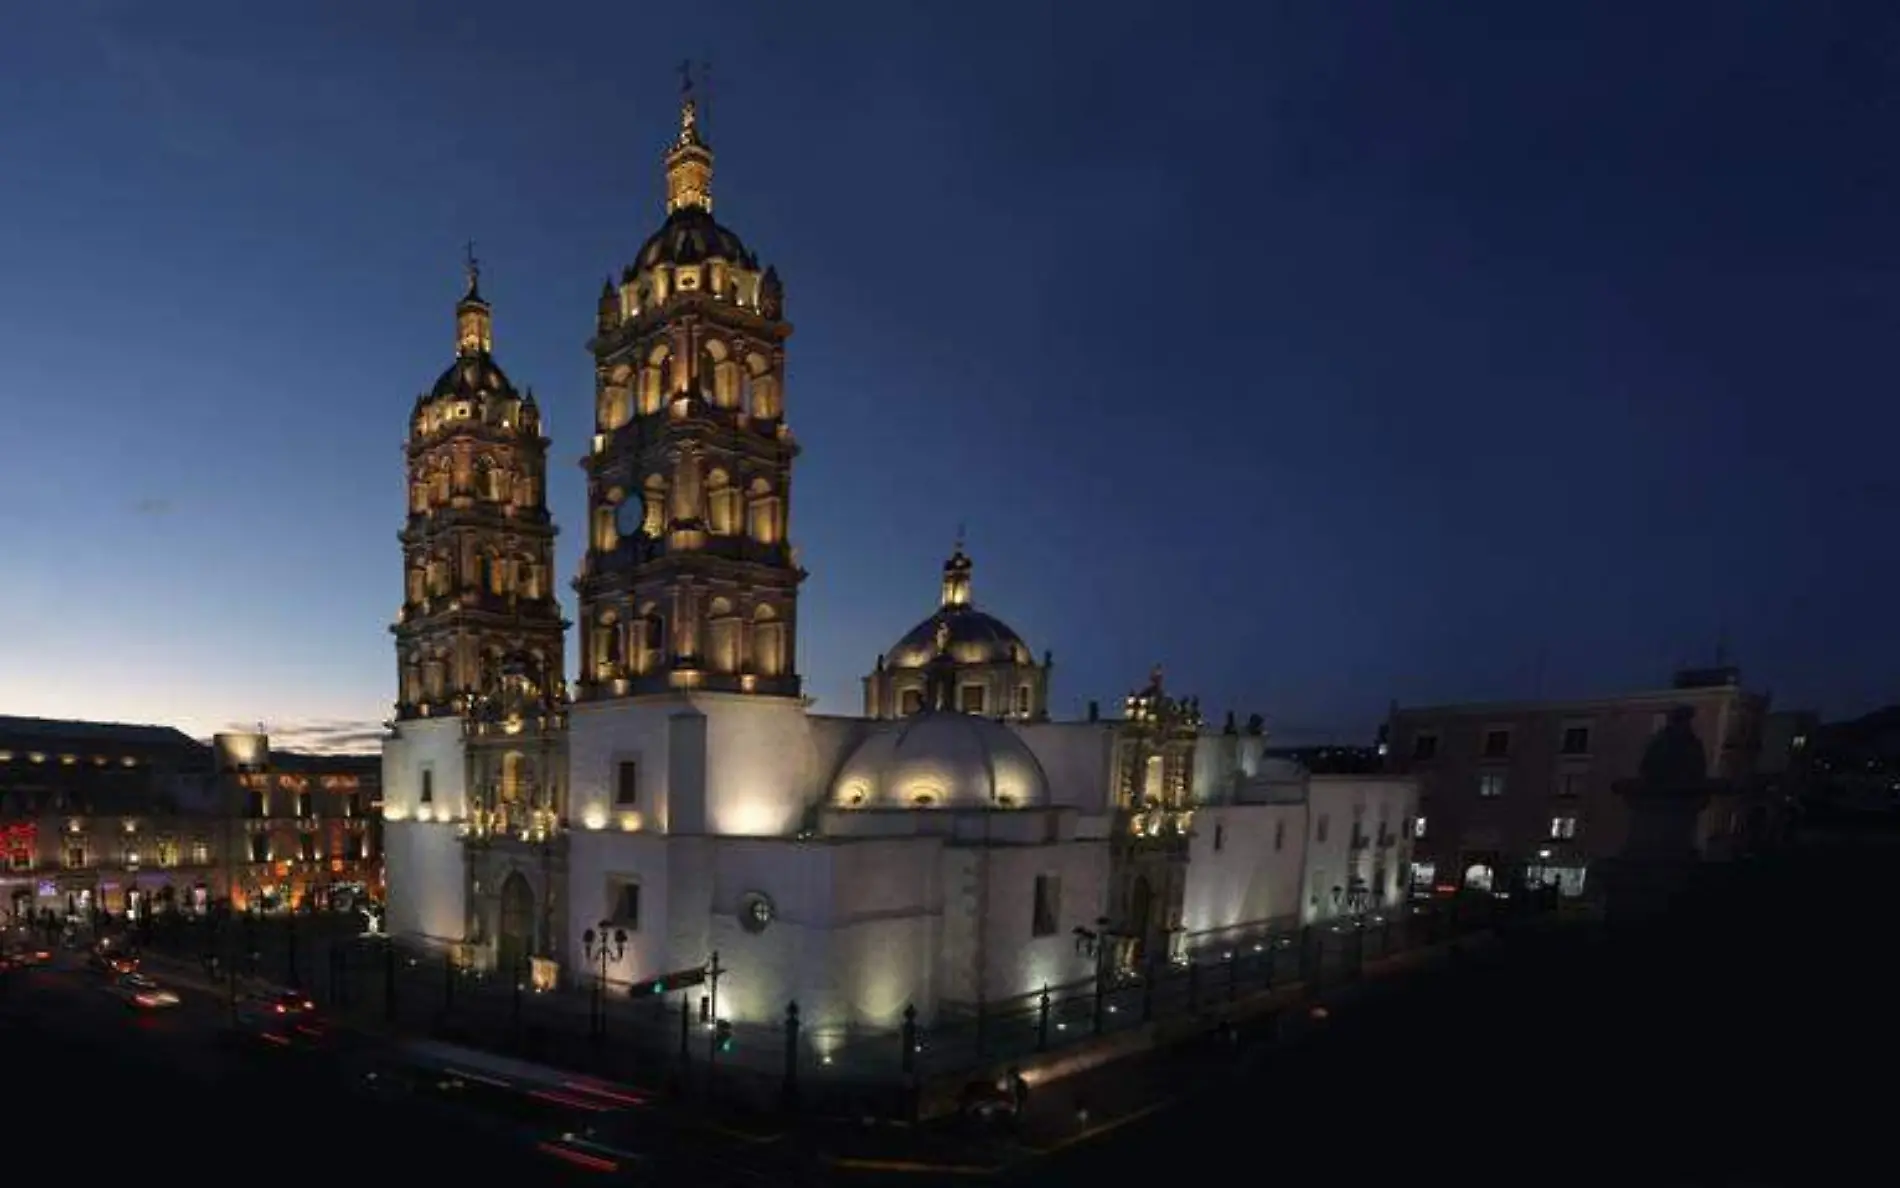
<point x="689" y="580"/>
<point x="478" y="600"/>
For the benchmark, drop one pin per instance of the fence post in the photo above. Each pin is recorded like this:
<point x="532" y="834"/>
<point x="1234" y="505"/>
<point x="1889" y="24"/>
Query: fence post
<point x="909" y="1061"/>
<point x="339" y="985"/>
<point x="290" y="949"/>
<point x="686" y="1031"/>
<point x="1042" y="1020"/>
<point x="791" y="1053"/>
<point x="389" y="980"/>
<point x="517" y="976"/>
<point x="1101" y="998"/>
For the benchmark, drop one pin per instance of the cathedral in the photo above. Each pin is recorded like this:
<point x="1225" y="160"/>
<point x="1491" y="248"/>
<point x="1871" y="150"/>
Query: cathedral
<point x="954" y="844"/>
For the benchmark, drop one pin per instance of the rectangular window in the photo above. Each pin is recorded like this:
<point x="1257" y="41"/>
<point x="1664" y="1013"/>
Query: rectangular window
<point x="307" y="847"/>
<point x="132" y="856"/>
<point x="1424" y="747"/>
<point x="627" y="784"/>
<point x="254" y="804"/>
<point x="910" y="701"/>
<point x="1022" y="700"/>
<point x="1279" y="835"/>
<point x="1491" y="785"/>
<point x="1576" y="740"/>
<point x="260" y="847"/>
<point x="200" y="852"/>
<point x="168" y="851"/>
<point x="970" y="699"/>
<point x="428" y="786"/>
<point x="1220" y="837"/>
<point x="1048" y="906"/>
<point x="1319" y="833"/>
<point x="1563" y="828"/>
<point x="1418" y="828"/>
<point x="1571" y="784"/>
<point x="75" y="856"/>
<point x="306" y="805"/>
<point x="1497" y="744"/>
<point x="625" y="906"/>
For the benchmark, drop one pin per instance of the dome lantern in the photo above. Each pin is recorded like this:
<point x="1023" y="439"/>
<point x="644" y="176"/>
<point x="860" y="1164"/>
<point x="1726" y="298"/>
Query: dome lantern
<point x="474" y="334"/>
<point x="689" y="162"/>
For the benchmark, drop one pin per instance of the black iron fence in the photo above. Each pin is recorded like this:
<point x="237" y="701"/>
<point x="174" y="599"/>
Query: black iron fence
<point x="675" y="1038"/>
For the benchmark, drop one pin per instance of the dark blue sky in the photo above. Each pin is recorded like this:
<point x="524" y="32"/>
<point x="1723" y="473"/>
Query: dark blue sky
<point x="1329" y="353"/>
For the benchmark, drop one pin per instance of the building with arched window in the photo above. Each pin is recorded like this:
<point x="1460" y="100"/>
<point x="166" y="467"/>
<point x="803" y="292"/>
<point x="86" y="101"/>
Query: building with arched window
<point x="951" y="845"/>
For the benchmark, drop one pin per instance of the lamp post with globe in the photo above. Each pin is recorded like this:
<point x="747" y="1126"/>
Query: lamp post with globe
<point x="603" y="944"/>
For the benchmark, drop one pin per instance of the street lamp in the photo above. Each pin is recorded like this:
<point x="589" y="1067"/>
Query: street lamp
<point x="603" y="945"/>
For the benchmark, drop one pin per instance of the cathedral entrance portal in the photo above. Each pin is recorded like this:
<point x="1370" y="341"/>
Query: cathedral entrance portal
<point x="515" y="935"/>
<point x="1141" y="899"/>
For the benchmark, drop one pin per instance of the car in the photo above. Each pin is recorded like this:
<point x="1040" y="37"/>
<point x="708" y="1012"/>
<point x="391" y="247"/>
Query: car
<point x="140" y="992"/>
<point x="112" y="964"/>
<point x="28" y="955"/>
<point x="271" y="1008"/>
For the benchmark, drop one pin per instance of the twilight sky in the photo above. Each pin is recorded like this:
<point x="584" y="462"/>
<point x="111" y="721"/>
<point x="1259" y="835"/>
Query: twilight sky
<point x="1329" y="353"/>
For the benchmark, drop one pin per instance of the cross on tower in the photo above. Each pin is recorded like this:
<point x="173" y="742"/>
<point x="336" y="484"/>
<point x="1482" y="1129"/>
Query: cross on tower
<point x="471" y="264"/>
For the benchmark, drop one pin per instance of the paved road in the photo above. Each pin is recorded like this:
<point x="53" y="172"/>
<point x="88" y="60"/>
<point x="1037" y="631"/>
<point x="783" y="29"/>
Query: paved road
<point x="1745" y="1042"/>
<point x="116" y="1079"/>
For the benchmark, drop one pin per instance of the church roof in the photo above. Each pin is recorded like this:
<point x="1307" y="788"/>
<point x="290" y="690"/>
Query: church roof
<point x="942" y="759"/>
<point x="973" y="637"/>
<point x="472" y="376"/>
<point x="690" y="235"/>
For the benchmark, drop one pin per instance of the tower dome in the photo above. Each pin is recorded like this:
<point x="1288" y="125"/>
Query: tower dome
<point x="991" y="670"/>
<point x="941" y="759"/>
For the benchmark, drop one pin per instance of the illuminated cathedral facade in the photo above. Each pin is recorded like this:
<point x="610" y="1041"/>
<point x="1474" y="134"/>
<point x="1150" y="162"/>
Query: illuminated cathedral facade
<point x="947" y="846"/>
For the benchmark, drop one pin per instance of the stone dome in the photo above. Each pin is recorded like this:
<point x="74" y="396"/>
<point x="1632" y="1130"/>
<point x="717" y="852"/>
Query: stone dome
<point x="941" y="759"/>
<point x="472" y="376"/>
<point x="690" y="235"/>
<point x="973" y="637"/>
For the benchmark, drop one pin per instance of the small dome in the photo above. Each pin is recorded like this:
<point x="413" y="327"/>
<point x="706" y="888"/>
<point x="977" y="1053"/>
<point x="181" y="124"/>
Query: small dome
<point x="973" y="637"/>
<point x="942" y="760"/>
<point x="691" y="235"/>
<point x="472" y="376"/>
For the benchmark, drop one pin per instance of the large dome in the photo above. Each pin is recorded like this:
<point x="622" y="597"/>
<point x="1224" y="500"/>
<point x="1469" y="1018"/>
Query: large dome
<point x="941" y="760"/>
<point x="971" y="637"/>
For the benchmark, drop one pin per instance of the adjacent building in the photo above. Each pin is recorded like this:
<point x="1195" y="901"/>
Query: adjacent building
<point x="952" y="845"/>
<point x="129" y="819"/>
<point x="1512" y="790"/>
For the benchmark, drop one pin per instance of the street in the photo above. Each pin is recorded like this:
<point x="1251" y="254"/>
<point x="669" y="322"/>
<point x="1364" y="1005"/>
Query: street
<point x="1743" y="1041"/>
<point x="127" y="1081"/>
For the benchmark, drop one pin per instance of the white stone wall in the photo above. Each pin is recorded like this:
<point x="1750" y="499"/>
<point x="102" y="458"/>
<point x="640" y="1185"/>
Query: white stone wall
<point x="1077" y="759"/>
<point x="427" y="887"/>
<point x="1236" y="874"/>
<point x="760" y="764"/>
<point x="596" y="861"/>
<point x="1334" y="802"/>
<point x="1010" y="961"/>
<point x="422" y="856"/>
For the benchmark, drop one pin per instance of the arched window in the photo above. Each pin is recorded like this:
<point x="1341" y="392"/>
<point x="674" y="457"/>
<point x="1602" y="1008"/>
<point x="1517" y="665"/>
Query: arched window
<point x="655" y="526"/>
<point x="724" y="504"/>
<point x="651" y="637"/>
<point x="763" y="522"/>
<point x="654" y="380"/>
<point x="722" y="636"/>
<point x="768" y="642"/>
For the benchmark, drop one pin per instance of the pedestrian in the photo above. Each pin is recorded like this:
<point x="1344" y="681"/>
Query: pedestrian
<point x="1018" y="1091"/>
